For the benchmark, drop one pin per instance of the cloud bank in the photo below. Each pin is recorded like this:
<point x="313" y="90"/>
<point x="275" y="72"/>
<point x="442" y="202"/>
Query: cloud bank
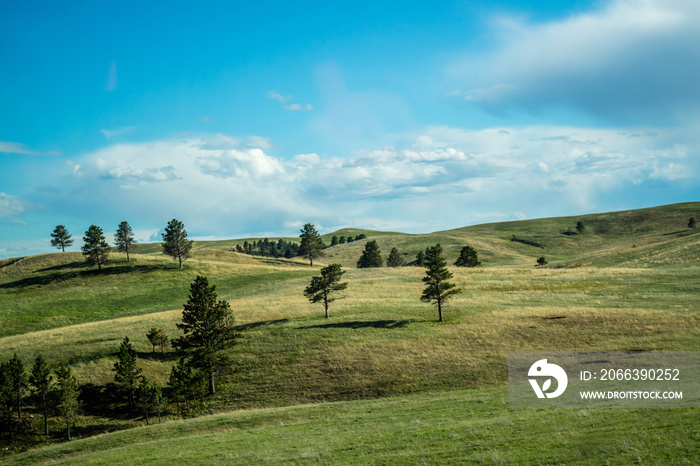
<point x="627" y="58"/>
<point x="447" y="177"/>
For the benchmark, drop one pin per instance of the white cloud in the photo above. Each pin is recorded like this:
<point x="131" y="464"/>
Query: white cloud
<point x="7" y="147"/>
<point x="111" y="133"/>
<point x="451" y="176"/>
<point x="274" y="95"/>
<point x="299" y="108"/>
<point x="626" y="57"/>
<point x="11" y="206"/>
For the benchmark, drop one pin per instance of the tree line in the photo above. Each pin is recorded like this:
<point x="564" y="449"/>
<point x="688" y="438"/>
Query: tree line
<point x="96" y="249"/>
<point x="207" y="332"/>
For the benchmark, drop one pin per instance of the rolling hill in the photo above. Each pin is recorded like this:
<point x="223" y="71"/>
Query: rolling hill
<point x="629" y="281"/>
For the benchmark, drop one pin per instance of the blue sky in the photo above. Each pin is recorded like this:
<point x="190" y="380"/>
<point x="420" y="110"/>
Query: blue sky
<point x="251" y="120"/>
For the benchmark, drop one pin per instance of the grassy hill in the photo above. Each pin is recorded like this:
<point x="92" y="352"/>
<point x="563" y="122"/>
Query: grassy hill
<point x="630" y="281"/>
<point x="459" y="427"/>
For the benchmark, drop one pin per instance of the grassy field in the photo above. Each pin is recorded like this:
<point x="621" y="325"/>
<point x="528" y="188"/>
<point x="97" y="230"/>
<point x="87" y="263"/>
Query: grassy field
<point x="630" y="281"/>
<point x="458" y="427"/>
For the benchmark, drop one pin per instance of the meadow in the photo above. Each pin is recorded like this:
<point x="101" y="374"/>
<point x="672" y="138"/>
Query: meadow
<point x="380" y="380"/>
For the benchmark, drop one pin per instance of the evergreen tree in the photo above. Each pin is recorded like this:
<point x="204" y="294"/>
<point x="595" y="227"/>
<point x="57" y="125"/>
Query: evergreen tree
<point x="126" y="371"/>
<point x="7" y="399"/>
<point x="311" y="245"/>
<point x="334" y="241"/>
<point x="350" y="239"/>
<point x="150" y="397"/>
<point x="541" y="261"/>
<point x="342" y="240"/>
<point x="395" y="259"/>
<point x="180" y="382"/>
<point x="95" y="248"/>
<point x="60" y="238"/>
<point x="124" y="239"/>
<point x="208" y="330"/>
<point x="691" y="222"/>
<point x="175" y="242"/>
<point x="371" y="256"/>
<point x="67" y="391"/>
<point x="420" y="258"/>
<point x="40" y="381"/>
<point x="468" y="257"/>
<point x="580" y="227"/>
<point x="18" y="382"/>
<point x="322" y="287"/>
<point x="437" y="289"/>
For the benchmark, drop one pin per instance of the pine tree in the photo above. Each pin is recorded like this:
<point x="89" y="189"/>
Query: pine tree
<point x="7" y="400"/>
<point x="126" y="371"/>
<point x="67" y="391"/>
<point x="395" y="259"/>
<point x="580" y="227"/>
<point x="40" y="381"/>
<point x="124" y="239"/>
<point x="180" y="382"/>
<point x="95" y="249"/>
<point x="334" y="240"/>
<point x="437" y="289"/>
<point x="420" y="258"/>
<point x="322" y="287"/>
<point x="175" y="242"/>
<point x="541" y="261"/>
<point x="371" y="256"/>
<point x="311" y="245"/>
<point x="468" y="257"/>
<point x="691" y="222"/>
<point x="60" y="238"/>
<point x="342" y="240"/>
<point x="18" y="381"/>
<point x="208" y="330"/>
<point x="150" y="397"/>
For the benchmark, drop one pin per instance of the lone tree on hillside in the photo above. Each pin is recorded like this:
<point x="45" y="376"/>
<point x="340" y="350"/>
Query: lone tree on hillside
<point x="371" y="256"/>
<point x="468" y="257"/>
<point x="126" y="372"/>
<point x="580" y="227"/>
<point x="60" y="238"/>
<point x="691" y="222"/>
<point x="175" y="242"/>
<point x="95" y="248"/>
<point x="67" y="392"/>
<point x="323" y="286"/>
<point x="157" y="337"/>
<point x="124" y="238"/>
<point x="40" y="382"/>
<point x="395" y="259"/>
<point x="437" y="289"/>
<point x="311" y="245"/>
<point x="208" y="330"/>
<point x="541" y="261"/>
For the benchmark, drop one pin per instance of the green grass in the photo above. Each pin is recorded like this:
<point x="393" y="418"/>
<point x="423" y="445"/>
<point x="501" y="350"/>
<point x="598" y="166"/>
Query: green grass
<point x="466" y="426"/>
<point x="631" y="281"/>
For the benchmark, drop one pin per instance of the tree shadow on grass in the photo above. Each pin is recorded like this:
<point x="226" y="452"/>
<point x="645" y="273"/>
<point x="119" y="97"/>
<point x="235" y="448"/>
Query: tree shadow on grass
<point x="166" y="356"/>
<point x="363" y="324"/>
<point x="263" y="323"/>
<point x="58" y="277"/>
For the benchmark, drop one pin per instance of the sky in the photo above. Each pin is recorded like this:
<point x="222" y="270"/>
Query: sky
<point x="249" y="119"/>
